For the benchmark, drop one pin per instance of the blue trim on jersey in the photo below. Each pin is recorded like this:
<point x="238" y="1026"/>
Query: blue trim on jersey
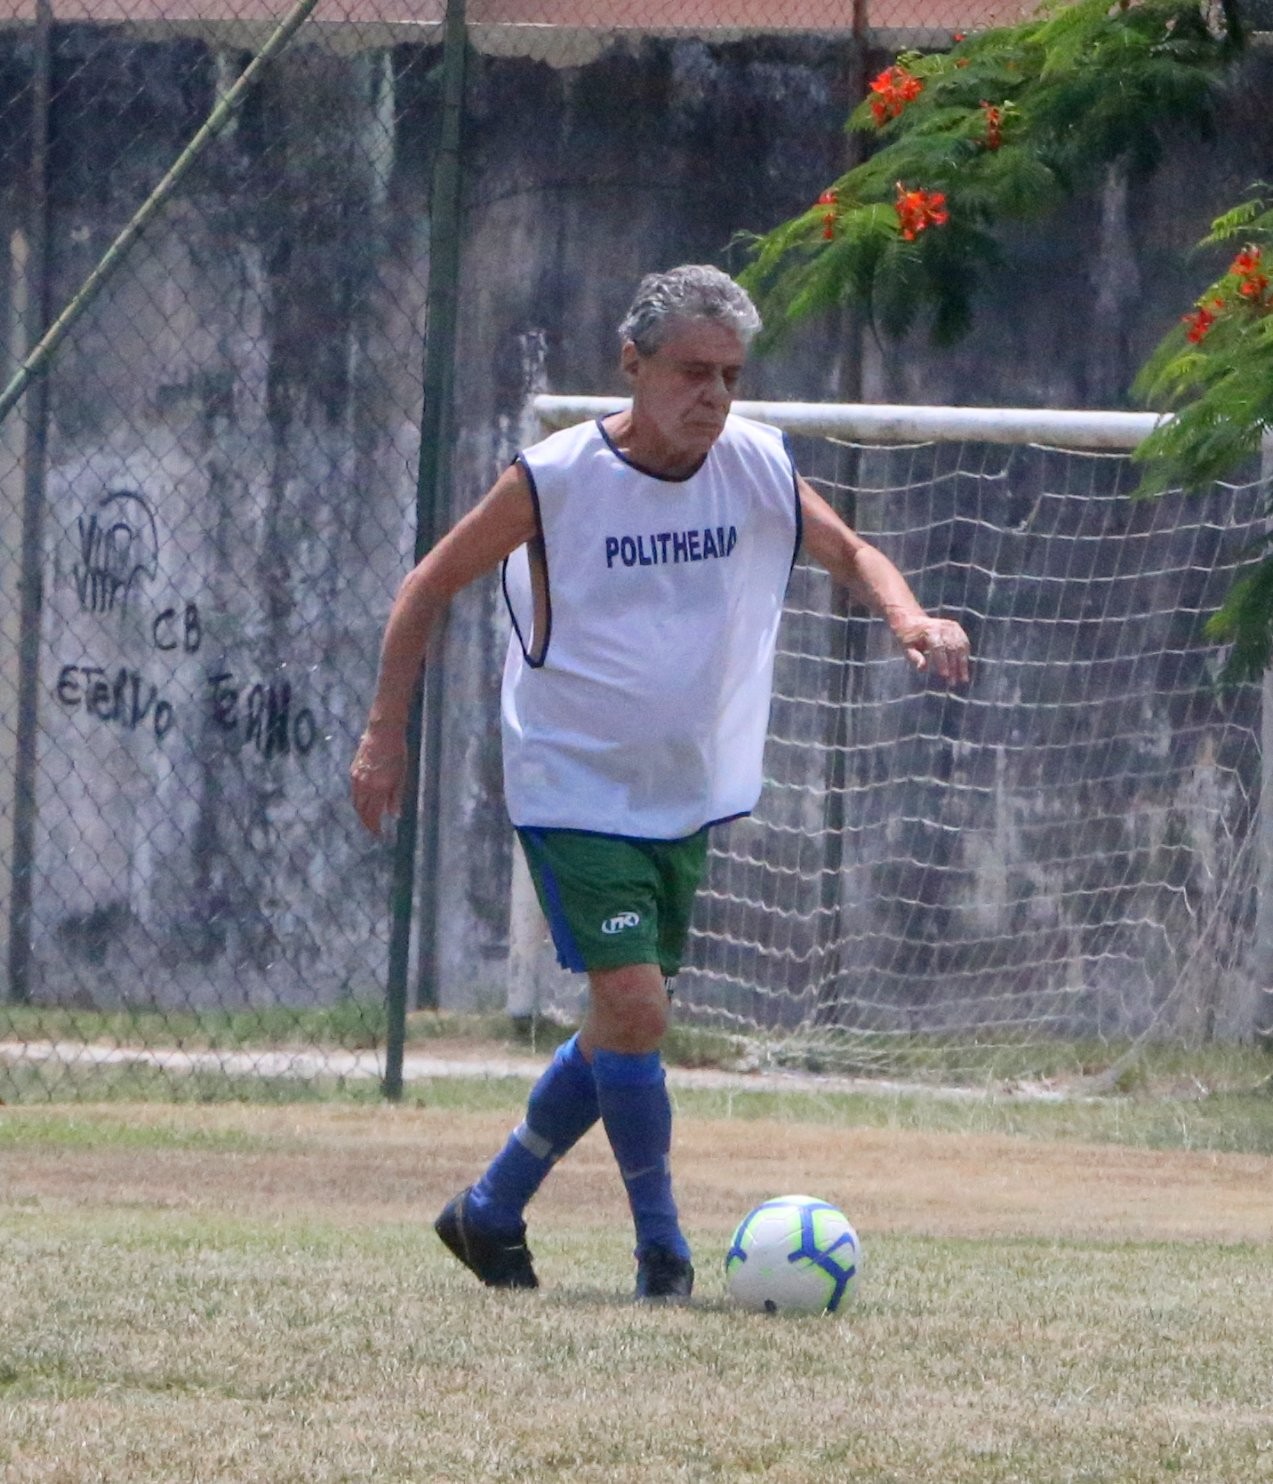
<point x="535" y="664"/>
<point x="640" y="468"/>
<point x="795" y="485"/>
<point x="570" y="829"/>
<point x="568" y="954"/>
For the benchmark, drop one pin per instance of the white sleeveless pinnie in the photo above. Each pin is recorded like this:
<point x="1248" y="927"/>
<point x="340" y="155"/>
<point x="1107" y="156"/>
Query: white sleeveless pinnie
<point x="641" y="708"/>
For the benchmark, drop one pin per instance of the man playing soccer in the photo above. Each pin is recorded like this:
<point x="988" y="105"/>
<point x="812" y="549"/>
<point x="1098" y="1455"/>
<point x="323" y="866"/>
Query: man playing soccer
<point x="646" y="556"/>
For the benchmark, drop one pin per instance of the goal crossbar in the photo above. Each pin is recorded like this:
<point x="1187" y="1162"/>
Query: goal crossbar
<point x="871" y="422"/>
<point x="991" y="881"/>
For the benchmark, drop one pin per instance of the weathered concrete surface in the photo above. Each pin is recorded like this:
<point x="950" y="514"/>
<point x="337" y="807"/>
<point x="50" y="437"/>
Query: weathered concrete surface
<point x="231" y="465"/>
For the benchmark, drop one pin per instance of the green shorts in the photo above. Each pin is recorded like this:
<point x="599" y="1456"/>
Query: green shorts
<point x="612" y="901"/>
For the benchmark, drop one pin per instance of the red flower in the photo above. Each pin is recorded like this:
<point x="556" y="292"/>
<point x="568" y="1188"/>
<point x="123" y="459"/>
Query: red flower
<point x="1246" y="263"/>
<point x="828" y="199"/>
<point x="919" y="210"/>
<point x="994" y="125"/>
<point x="1201" y="320"/>
<point x="893" y="89"/>
<point x="1252" y="284"/>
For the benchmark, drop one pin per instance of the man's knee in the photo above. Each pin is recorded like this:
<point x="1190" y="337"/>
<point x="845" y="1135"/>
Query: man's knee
<point x="628" y="1009"/>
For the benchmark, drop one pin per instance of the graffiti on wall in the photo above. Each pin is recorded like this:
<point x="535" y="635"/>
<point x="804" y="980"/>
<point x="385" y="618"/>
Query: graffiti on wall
<point x="261" y="715"/>
<point x="118" y="550"/>
<point x="117" y="555"/>
<point x="121" y="698"/>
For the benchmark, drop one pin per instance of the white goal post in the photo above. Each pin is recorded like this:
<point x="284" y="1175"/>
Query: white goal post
<point x="989" y="882"/>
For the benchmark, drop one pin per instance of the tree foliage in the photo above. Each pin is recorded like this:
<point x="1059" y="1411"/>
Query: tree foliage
<point x="1214" y="372"/>
<point x="1216" y="365"/>
<point x="1004" y="127"/>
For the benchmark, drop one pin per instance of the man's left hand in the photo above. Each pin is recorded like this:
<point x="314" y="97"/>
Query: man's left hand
<point x="939" y="647"/>
<point x="376" y="775"/>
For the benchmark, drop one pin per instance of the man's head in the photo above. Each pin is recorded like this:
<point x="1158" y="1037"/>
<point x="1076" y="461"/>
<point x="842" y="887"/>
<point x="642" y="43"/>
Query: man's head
<point x="696" y="291"/>
<point x="685" y="340"/>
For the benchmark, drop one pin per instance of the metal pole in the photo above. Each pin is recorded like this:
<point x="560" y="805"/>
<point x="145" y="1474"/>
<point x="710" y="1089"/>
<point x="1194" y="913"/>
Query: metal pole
<point x="421" y="792"/>
<point x="1262" y="958"/>
<point x="848" y="478"/>
<point x="435" y="452"/>
<point x="31" y="579"/>
<point x="39" y="358"/>
<point x="1262" y="955"/>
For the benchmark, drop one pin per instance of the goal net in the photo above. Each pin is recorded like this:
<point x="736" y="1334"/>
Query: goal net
<point x="998" y="880"/>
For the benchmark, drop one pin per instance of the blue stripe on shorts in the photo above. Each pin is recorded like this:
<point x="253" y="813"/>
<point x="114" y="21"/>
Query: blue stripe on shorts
<point x="568" y="954"/>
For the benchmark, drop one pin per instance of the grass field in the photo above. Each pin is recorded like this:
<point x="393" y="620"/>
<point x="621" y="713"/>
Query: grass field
<point x="248" y="1293"/>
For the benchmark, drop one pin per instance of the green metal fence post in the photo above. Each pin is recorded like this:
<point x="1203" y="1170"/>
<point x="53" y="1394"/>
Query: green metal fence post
<point x="421" y="793"/>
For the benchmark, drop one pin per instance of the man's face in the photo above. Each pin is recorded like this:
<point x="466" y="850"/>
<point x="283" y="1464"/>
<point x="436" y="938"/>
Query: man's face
<point x="684" y="389"/>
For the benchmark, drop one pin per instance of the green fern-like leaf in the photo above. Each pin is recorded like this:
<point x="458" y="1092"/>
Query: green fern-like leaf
<point x="1069" y="34"/>
<point x="1249" y="218"/>
<point x="1079" y="88"/>
<point x="1245" y="621"/>
<point x="1222" y="383"/>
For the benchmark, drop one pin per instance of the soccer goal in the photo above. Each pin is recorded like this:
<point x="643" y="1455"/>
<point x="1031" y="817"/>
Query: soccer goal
<point x="1064" y="855"/>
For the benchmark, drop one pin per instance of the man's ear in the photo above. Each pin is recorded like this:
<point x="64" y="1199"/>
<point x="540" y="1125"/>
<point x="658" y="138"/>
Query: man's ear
<point x="629" y="358"/>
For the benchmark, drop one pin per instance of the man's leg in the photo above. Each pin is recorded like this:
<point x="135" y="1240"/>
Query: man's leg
<point x="602" y="896"/>
<point x="622" y="1033"/>
<point x="561" y="1109"/>
<point x="484" y="1226"/>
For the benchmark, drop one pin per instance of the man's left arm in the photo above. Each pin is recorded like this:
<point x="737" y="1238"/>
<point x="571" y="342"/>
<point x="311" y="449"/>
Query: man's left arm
<point x="936" y="644"/>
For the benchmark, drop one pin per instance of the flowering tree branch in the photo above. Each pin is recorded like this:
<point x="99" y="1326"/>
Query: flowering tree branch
<point x="1004" y="127"/>
<point x="1215" y="371"/>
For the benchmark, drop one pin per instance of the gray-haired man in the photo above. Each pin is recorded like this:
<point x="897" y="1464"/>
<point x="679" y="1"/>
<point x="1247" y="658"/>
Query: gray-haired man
<point x="645" y="560"/>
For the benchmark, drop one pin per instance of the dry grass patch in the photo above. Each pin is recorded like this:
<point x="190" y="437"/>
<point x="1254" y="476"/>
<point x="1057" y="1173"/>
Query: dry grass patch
<point x="251" y="1296"/>
<point x="351" y="1165"/>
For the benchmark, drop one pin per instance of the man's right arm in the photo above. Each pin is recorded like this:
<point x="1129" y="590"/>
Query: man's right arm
<point x="501" y="522"/>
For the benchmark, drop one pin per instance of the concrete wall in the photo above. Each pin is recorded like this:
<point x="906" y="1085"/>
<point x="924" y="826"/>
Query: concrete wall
<point x="231" y="462"/>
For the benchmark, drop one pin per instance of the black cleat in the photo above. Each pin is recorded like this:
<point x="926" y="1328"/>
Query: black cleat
<point x="663" y="1276"/>
<point x="500" y="1262"/>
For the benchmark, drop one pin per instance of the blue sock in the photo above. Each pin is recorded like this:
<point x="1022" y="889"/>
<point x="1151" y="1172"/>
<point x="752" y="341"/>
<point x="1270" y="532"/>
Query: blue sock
<point x="561" y="1109"/>
<point x="637" y="1113"/>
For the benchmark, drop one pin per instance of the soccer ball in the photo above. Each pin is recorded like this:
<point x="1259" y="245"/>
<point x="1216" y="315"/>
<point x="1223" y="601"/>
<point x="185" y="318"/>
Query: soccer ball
<point x="793" y="1255"/>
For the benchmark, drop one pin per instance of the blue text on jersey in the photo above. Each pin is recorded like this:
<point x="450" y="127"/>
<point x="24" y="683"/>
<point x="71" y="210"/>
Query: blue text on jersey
<point x="656" y="549"/>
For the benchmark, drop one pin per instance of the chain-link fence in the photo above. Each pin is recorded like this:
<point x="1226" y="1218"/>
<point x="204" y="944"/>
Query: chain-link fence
<point x="212" y="486"/>
<point x="313" y="357"/>
<point x="206" y="504"/>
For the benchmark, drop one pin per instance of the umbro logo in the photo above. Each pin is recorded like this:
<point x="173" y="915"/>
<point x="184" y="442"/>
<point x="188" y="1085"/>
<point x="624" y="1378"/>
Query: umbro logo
<point x="620" y="922"/>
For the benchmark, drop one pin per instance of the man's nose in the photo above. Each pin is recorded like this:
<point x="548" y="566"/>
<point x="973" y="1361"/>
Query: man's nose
<point x="716" y="390"/>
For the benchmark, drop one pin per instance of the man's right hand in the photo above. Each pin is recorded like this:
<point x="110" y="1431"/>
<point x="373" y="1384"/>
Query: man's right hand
<point x="504" y="519"/>
<point x="376" y="776"/>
